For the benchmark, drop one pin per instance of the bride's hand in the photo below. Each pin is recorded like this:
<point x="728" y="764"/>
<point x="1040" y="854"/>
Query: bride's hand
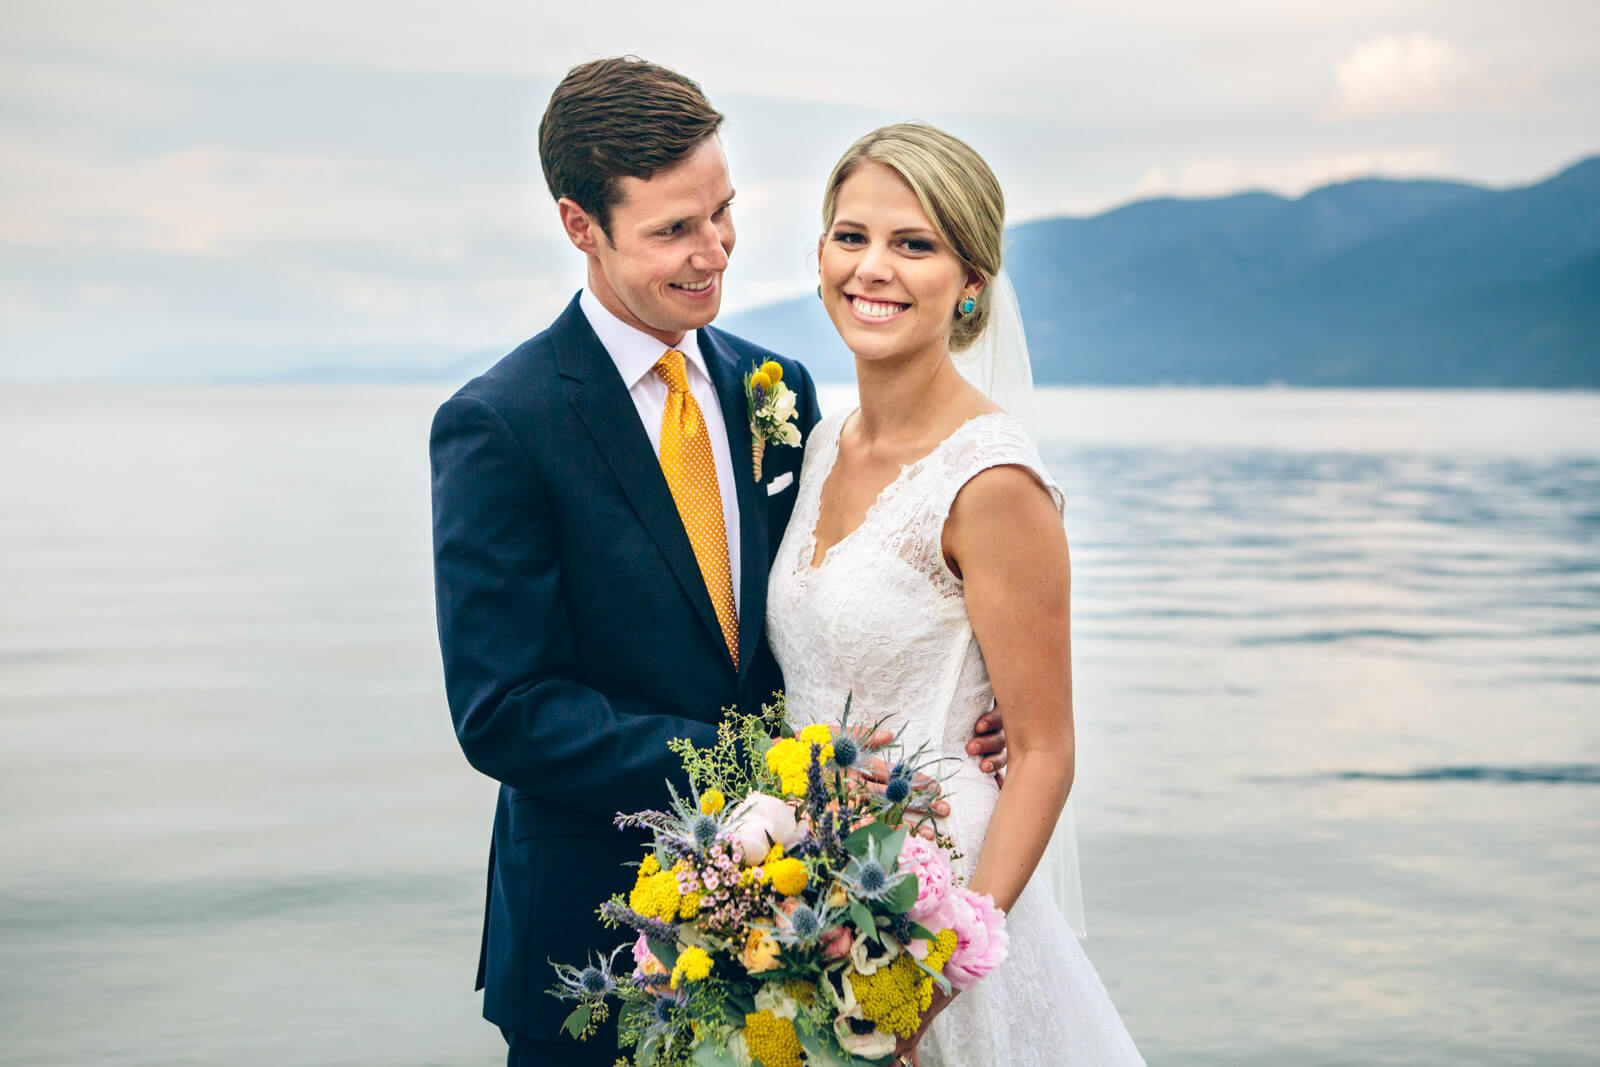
<point x="905" y="1051"/>
<point x="875" y="773"/>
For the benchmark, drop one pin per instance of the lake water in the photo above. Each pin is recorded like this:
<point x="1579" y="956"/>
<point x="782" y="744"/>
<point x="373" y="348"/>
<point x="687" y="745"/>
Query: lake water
<point x="1338" y="678"/>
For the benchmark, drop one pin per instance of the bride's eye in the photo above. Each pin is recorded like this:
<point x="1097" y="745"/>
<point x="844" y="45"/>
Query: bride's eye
<point x="918" y="244"/>
<point x="848" y="237"/>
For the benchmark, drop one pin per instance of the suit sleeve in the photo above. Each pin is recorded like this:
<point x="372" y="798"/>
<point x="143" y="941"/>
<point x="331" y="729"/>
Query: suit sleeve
<point x="507" y="646"/>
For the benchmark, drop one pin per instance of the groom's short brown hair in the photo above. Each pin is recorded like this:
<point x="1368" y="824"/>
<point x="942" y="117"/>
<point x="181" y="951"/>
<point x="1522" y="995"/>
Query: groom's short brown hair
<point x="620" y="117"/>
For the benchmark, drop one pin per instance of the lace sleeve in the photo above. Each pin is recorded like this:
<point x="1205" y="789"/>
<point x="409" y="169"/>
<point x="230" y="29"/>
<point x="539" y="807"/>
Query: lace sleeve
<point x="992" y="441"/>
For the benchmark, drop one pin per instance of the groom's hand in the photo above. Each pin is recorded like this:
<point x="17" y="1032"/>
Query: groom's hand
<point x="989" y="743"/>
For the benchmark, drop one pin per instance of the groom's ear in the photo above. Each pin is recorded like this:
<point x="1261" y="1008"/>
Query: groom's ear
<point x="582" y="228"/>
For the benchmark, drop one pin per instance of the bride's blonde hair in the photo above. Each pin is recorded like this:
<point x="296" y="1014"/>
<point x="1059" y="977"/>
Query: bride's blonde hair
<point x="957" y="190"/>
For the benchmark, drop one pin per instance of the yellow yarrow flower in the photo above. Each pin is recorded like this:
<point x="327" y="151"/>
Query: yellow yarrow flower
<point x="818" y="733"/>
<point x="655" y="892"/>
<point x="712" y="801"/>
<point x="774" y="854"/>
<point x="790" y="757"/>
<point x="940" y="949"/>
<point x="772" y="370"/>
<point x="772" y="1040"/>
<point x="693" y="965"/>
<point x="894" y="997"/>
<point x="788" y="876"/>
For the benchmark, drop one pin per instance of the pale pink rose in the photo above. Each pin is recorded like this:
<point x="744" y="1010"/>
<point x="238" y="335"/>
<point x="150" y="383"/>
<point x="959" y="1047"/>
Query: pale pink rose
<point x="932" y="867"/>
<point x="980" y="936"/>
<point x="758" y="823"/>
<point x="836" y="942"/>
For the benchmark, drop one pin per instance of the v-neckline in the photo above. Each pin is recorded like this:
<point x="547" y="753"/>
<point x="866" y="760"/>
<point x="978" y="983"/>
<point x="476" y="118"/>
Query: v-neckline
<point x="813" y="562"/>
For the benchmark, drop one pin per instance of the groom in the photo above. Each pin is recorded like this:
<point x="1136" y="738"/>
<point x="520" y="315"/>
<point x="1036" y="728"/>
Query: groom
<point x="594" y="598"/>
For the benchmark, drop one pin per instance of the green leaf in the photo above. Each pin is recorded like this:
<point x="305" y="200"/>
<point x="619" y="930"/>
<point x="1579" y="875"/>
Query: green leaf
<point x="578" y="1021"/>
<point x="918" y="930"/>
<point x="862" y="917"/>
<point x="902" y="896"/>
<point x="856" y="842"/>
<point x="889" y="849"/>
<point x="667" y="952"/>
<point x="709" y="1054"/>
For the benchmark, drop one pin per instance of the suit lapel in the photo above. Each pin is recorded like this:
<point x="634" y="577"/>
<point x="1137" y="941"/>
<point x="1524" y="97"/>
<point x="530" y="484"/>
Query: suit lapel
<point x="600" y="398"/>
<point x="728" y="378"/>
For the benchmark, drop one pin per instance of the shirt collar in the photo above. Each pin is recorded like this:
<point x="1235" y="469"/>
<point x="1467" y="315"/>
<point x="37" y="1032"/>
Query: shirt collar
<point x="633" y="351"/>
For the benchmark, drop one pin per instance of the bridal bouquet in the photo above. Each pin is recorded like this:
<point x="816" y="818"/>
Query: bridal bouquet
<point x="787" y="913"/>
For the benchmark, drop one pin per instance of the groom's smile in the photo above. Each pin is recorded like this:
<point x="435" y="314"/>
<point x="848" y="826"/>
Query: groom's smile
<point x="659" y="268"/>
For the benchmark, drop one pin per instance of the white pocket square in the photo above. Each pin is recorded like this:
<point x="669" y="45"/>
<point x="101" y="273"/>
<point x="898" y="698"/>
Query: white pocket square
<point x="780" y="482"/>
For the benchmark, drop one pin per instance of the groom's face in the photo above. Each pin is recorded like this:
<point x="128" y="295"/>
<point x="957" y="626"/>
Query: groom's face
<point x="660" y="269"/>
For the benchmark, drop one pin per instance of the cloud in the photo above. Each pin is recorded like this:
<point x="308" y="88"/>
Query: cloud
<point x="1400" y="75"/>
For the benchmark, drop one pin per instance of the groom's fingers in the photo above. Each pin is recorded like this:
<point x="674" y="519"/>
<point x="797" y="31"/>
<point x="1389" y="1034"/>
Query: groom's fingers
<point x="992" y="747"/>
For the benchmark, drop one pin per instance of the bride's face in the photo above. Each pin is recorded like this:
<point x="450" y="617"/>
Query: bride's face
<point x="889" y="281"/>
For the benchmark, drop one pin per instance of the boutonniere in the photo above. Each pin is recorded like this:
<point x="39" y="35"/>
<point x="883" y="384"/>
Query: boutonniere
<point x="772" y="411"/>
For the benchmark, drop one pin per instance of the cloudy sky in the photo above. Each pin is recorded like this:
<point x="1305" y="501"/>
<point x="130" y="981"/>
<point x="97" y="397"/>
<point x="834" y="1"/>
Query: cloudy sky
<point x="200" y="188"/>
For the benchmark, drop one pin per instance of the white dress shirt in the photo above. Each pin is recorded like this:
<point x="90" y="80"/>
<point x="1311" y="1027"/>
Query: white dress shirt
<point x="636" y="353"/>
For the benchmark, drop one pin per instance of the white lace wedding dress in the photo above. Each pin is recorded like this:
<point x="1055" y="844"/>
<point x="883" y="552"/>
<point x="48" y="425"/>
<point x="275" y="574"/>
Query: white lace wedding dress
<point x="884" y="618"/>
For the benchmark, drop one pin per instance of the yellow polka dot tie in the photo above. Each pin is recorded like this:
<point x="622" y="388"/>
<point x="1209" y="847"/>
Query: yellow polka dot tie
<point x="692" y="477"/>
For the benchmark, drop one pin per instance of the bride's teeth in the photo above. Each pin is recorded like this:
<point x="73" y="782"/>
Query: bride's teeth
<point x="697" y="287"/>
<point x="873" y="309"/>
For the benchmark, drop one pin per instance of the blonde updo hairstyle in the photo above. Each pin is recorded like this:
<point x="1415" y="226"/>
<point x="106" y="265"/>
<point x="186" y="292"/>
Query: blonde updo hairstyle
<point x="957" y="190"/>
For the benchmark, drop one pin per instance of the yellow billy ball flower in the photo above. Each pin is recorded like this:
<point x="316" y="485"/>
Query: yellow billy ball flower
<point x="788" y="876"/>
<point x="712" y="801"/>
<point x="693" y="965"/>
<point x="762" y="379"/>
<point x="772" y="1040"/>
<point x="772" y="370"/>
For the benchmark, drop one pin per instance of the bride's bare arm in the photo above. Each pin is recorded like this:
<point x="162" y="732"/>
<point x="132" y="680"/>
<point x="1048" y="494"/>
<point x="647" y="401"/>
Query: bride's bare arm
<point x="1004" y="538"/>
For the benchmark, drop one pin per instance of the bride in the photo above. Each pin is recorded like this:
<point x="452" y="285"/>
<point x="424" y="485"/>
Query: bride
<point x="925" y="571"/>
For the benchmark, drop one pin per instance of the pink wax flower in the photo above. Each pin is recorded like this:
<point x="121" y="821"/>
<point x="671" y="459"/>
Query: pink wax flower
<point x="758" y="823"/>
<point x="932" y="867"/>
<point x="980" y="936"/>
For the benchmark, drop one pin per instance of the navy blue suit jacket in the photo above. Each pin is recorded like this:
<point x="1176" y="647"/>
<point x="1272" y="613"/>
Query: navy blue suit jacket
<point x="577" y="632"/>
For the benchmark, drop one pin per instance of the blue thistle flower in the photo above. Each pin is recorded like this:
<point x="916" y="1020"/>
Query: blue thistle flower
<point x="805" y="924"/>
<point x="898" y="790"/>
<point x="868" y="879"/>
<point x="590" y="983"/>
<point x="705" y="831"/>
<point x="845" y="751"/>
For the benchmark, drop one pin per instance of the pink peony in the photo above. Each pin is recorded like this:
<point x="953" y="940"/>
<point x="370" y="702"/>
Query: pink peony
<point x="980" y="936"/>
<point x="932" y="867"/>
<point x="758" y="823"/>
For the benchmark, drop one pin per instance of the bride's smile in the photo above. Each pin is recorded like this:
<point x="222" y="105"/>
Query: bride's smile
<point x="890" y="283"/>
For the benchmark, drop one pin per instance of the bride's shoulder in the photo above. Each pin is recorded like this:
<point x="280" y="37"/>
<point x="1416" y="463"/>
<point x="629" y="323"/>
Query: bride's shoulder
<point x="996" y="440"/>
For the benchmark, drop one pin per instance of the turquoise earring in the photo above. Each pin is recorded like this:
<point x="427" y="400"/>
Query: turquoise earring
<point x="819" y="290"/>
<point x="968" y="306"/>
